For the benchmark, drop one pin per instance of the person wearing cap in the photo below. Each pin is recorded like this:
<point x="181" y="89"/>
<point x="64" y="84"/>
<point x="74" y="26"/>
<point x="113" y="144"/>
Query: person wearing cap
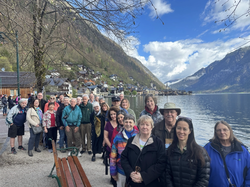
<point x="164" y="129"/>
<point x="97" y="135"/>
<point x="85" y="127"/>
<point x="116" y="101"/>
<point x="151" y="109"/>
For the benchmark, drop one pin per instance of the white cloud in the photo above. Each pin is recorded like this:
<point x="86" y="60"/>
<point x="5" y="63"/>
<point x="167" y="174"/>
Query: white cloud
<point x="216" y="12"/>
<point x="179" y="59"/>
<point x="161" y="8"/>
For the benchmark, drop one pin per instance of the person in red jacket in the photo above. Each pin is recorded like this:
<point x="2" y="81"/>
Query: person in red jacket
<point x="52" y="99"/>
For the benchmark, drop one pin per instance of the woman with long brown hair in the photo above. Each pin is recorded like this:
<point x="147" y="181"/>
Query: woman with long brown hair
<point x="187" y="163"/>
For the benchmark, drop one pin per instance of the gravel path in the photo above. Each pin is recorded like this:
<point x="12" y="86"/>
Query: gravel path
<point x="22" y="170"/>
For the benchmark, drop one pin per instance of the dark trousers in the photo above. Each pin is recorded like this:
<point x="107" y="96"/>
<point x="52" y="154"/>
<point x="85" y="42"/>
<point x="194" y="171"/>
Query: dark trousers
<point x="63" y="138"/>
<point x="34" y="139"/>
<point x="4" y="109"/>
<point x="52" y="134"/>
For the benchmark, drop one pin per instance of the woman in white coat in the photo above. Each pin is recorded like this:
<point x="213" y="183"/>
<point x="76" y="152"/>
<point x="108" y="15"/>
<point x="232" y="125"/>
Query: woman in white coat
<point x="34" y="117"/>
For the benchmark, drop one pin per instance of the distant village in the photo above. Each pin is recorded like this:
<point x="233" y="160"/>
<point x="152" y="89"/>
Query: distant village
<point x="85" y="83"/>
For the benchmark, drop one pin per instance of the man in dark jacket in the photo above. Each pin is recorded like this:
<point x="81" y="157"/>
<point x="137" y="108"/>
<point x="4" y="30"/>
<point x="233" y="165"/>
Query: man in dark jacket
<point x="60" y="125"/>
<point x="164" y="129"/>
<point x="61" y="100"/>
<point x="15" y="121"/>
<point x="85" y="127"/>
<point x="4" y="102"/>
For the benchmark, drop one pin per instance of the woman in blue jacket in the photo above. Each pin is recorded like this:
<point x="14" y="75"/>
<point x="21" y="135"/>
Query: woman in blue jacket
<point x="224" y="147"/>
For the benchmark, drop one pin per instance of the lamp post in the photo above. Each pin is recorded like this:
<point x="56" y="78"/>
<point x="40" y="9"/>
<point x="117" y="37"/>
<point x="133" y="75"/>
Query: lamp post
<point x="17" y="57"/>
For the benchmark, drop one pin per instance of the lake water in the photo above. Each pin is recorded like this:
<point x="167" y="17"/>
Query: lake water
<point x="205" y="110"/>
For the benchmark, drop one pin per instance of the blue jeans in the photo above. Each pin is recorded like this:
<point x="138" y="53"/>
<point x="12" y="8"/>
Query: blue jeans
<point x="4" y="109"/>
<point x="63" y="138"/>
<point x="34" y="139"/>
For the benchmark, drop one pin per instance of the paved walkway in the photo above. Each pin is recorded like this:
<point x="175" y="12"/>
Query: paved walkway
<point x="22" y="170"/>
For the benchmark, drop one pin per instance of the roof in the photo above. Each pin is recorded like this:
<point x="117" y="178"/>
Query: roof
<point x="26" y="79"/>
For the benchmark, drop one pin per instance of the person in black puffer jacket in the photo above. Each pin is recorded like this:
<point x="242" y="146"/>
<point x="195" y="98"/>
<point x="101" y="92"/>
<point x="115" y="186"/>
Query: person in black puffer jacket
<point x="188" y="164"/>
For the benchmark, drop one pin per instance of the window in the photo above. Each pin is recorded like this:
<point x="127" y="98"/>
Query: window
<point x="11" y="92"/>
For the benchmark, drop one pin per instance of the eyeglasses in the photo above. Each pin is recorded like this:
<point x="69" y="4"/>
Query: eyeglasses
<point x="52" y="98"/>
<point x="187" y="118"/>
<point x="222" y="130"/>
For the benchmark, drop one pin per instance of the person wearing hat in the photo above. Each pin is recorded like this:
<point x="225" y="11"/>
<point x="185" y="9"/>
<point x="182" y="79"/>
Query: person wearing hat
<point x="116" y="101"/>
<point x="97" y="135"/>
<point x="164" y="129"/>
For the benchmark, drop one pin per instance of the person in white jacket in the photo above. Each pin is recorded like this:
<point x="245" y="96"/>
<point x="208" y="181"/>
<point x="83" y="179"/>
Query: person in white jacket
<point x="34" y="117"/>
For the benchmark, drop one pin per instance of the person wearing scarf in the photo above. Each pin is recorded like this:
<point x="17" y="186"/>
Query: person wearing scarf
<point x="97" y="125"/>
<point x="151" y="109"/>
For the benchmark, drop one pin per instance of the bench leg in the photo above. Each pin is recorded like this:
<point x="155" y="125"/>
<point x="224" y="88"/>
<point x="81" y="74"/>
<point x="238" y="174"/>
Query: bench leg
<point x="54" y="176"/>
<point x="50" y="175"/>
<point x="58" y="181"/>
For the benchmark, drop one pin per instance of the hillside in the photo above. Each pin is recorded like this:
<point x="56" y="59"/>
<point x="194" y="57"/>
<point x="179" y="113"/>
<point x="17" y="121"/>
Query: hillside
<point x="231" y="74"/>
<point x="88" y="47"/>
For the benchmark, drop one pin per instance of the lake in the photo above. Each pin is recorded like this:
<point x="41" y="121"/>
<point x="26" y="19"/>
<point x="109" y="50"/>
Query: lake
<point x="205" y="110"/>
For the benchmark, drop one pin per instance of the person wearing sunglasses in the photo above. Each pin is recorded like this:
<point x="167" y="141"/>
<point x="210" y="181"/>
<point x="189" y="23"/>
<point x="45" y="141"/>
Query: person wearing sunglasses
<point x="188" y="164"/>
<point x="53" y="100"/>
<point x="230" y="160"/>
<point x="143" y="159"/>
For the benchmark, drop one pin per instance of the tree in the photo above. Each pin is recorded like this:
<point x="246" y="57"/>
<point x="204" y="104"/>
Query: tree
<point x="134" y="92"/>
<point x="55" y="25"/>
<point x="4" y="63"/>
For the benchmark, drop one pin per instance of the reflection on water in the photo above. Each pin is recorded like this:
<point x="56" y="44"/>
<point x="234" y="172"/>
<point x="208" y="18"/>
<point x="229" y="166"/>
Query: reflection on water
<point x="206" y="110"/>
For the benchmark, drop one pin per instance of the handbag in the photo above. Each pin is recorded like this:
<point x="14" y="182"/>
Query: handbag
<point x="37" y="130"/>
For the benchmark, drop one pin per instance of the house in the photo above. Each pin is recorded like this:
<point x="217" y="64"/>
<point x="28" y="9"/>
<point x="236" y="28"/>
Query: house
<point x="113" y="91"/>
<point x="79" y="67"/>
<point x="8" y="83"/>
<point x="66" y="87"/>
<point x="94" y="89"/>
<point x="113" y="77"/>
<point x="131" y="78"/>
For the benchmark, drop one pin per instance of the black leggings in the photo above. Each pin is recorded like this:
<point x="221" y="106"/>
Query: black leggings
<point x="52" y="133"/>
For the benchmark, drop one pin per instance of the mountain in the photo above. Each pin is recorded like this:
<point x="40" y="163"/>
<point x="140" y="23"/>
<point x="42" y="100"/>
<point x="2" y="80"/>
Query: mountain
<point x="231" y="74"/>
<point x="85" y="45"/>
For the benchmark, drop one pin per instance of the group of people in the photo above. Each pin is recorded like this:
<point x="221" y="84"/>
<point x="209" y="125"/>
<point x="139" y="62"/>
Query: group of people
<point x="158" y="149"/>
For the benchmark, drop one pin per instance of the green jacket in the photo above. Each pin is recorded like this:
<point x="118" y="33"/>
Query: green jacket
<point x="86" y="112"/>
<point x="74" y="117"/>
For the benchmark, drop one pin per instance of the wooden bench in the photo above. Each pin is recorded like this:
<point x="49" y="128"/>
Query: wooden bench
<point x="69" y="172"/>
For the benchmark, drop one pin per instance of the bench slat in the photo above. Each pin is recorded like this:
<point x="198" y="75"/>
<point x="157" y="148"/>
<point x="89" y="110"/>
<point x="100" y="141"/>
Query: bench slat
<point x="64" y="182"/>
<point x="58" y="172"/>
<point x="75" y="173"/>
<point x="67" y="173"/>
<point x="82" y="173"/>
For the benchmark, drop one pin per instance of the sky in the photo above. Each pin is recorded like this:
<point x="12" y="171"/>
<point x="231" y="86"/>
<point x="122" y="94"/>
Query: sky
<point x="189" y="39"/>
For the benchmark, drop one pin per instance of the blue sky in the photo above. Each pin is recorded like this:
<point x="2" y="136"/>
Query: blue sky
<point x="189" y="39"/>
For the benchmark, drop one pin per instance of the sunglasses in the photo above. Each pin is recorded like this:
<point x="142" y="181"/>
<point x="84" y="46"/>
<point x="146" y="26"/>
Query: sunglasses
<point x="52" y="98"/>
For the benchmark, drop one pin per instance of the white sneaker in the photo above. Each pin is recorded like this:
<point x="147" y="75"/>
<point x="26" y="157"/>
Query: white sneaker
<point x="69" y="153"/>
<point x="79" y="154"/>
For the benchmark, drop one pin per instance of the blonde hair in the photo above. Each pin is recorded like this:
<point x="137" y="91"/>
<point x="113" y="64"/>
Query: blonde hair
<point x="125" y="99"/>
<point x="145" y="118"/>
